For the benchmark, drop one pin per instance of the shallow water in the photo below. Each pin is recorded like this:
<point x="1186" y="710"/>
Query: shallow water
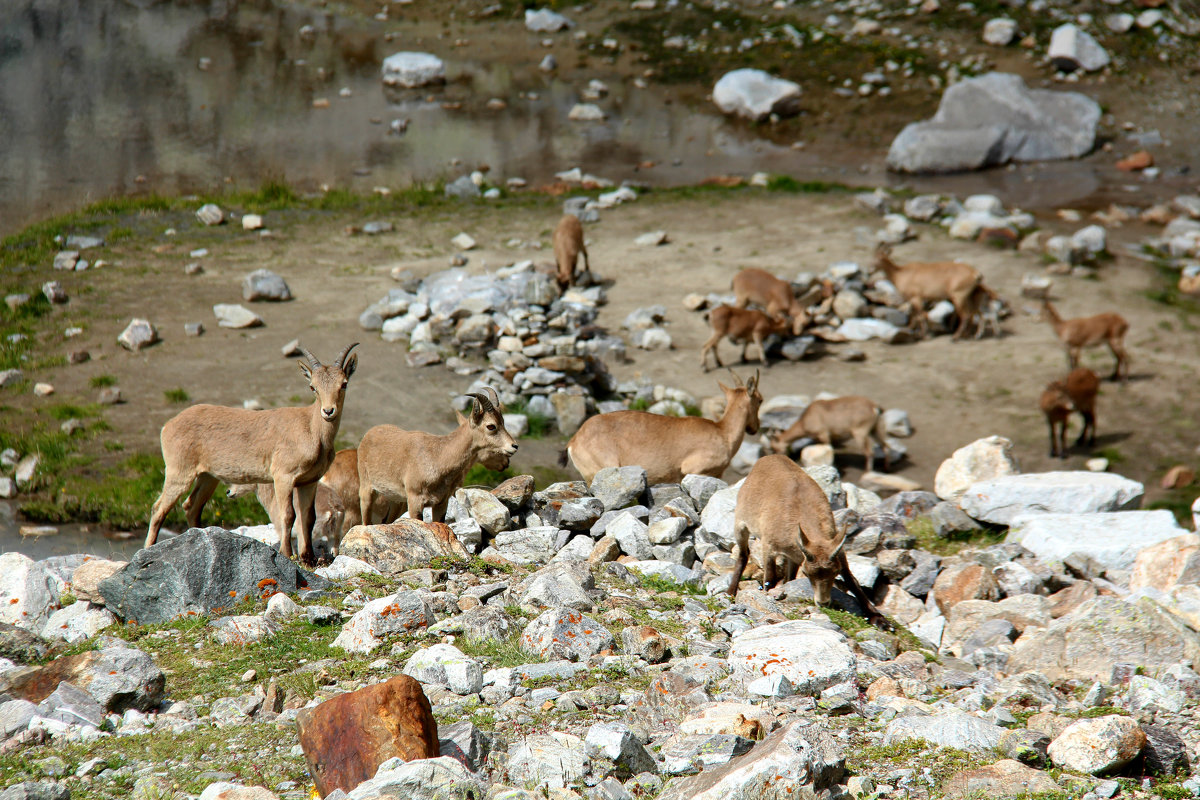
<point x="102" y="98"/>
<point x="70" y="539"/>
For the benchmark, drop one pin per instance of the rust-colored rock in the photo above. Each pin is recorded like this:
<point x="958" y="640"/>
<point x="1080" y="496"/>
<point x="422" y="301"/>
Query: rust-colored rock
<point x="1159" y="214"/>
<point x="405" y="544"/>
<point x="86" y="578"/>
<point x="1138" y="161"/>
<point x="1178" y="477"/>
<point x="607" y="548"/>
<point x="884" y="687"/>
<point x="515" y="492"/>
<point x="964" y="582"/>
<point x="1189" y="284"/>
<point x="346" y="738"/>
<point x="1004" y="238"/>
<point x="644" y="642"/>
<point x="1066" y="600"/>
<point x="1167" y="564"/>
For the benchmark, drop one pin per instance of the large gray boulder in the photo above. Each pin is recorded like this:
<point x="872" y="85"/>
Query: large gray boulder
<point x="1085" y="644"/>
<point x="199" y="571"/>
<point x="424" y="779"/>
<point x="1003" y="499"/>
<point x="798" y="755"/>
<point x="1110" y="541"/>
<point x="992" y="120"/>
<point x="27" y="592"/>
<point x="811" y="656"/>
<point x="755" y="95"/>
<point x="952" y="728"/>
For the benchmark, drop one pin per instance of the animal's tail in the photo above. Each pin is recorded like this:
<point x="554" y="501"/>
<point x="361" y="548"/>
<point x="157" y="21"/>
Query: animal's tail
<point x="562" y="457"/>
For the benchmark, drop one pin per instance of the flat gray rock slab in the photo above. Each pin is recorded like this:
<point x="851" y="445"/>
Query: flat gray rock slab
<point x="1111" y="540"/>
<point x="1003" y="499"/>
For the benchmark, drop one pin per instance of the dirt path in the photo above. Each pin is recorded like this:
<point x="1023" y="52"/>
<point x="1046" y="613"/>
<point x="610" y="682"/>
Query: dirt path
<point x="954" y="393"/>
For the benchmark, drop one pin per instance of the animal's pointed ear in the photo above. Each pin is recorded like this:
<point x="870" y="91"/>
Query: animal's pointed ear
<point x="305" y="369"/>
<point x="351" y="365"/>
<point x="840" y="541"/>
<point x="459" y="417"/>
<point x="723" y="387"/>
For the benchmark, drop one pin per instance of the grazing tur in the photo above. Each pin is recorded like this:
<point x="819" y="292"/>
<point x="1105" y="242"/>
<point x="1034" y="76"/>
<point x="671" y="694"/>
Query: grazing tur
<point x="415" y="470"/>
<point x="741" y="325"/>
<point x="568" y="244"/>
<point x="789" y="515"/>
<point x="1075" y="334"/>
<point x="758" y="286"/>
<point x="666" y="447"/>
<point x="829" y="421"/>
<point x="1076" y="392"/>
<point x="921" y="283"/>
<point x="288" y="447"/>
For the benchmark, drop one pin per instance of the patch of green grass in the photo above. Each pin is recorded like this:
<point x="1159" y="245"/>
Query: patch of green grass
<point x="943" y="762"/>
<point x="176" y="396"/>
<point x="1167" y="292"/>
<point x="659" y="584"/>
<point x="498" y="652"/>
<point x="65" y="411"/>
<point x="640" y="404"/>
<point x="786" y="183"/>
<point x="715" y="35"/>
<point x="1172" y="791"/>
<point x="539" y="424"/>
<point x="121" y="496"/>
<point x="479" y="475"/>
<point x="930" y="541"/>
<point x="102" y="381"/>
<point x="1113" y="455"/>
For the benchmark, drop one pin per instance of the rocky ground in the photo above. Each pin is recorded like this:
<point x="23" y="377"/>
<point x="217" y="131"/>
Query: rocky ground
<point x="590" y="649"/>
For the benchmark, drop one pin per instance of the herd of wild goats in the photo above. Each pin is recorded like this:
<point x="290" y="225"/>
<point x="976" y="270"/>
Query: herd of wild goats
<point x="287" y="457"/>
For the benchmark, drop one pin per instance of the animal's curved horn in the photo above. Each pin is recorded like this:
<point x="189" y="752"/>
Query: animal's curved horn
<point x="494" y="397"/>
<point x="342" y="355"/>
<point x="754" y="381"/>
<point x="482" y="403"/>
<point x="312" y="360"/>
<point x="737" y="378"/>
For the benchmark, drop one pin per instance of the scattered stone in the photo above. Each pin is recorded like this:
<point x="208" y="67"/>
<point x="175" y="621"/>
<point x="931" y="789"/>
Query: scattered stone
<point x="1097" y="746"/>
<point x="755" y="95"/>
<point x="413" y="70"/>
<point x="232" y="315"/>
<point x="999" y="32"/>
<point x="138" y="333"/>
<point x="981" y="460"/>
<point x="543" y="20"/>
<point x="1072" y="48"/>
<point x="262" y="284"/>
<point x="210" y="214"/>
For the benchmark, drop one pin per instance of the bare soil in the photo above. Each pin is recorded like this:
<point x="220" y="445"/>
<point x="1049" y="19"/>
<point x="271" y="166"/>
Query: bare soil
<point x="954" y="392"/>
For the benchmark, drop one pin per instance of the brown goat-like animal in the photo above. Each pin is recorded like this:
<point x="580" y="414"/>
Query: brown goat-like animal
<point x="829" y="421"/>
<point x="1076" y="392"/>
<point x="742" y="325"/>
<point x="568" y="244"/>
<point x="789" y="514"/>
<point x="327" y="512"/>
<point x="921" y="283"/>
<point x="666" y="447"/>
<point x="758" y="286"/>
<point x="415" y="470"/>
<point x="1075" y="334"/>
<point x="288" y="447"/>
